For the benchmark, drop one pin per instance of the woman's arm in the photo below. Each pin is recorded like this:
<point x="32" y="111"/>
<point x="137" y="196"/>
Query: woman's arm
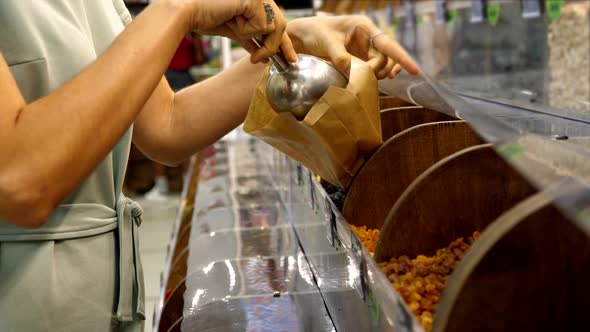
<point x="172" y="127"/>
<point x="49" y="146"/>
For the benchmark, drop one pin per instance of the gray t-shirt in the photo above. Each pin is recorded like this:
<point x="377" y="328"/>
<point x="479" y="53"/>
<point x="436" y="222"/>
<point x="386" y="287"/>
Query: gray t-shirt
<point x="47" y="43"/>
<point x="80" y="271"/>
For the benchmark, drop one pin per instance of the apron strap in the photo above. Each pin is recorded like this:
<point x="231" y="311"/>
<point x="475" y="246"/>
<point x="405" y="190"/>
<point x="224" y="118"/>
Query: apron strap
<point x="131" y="288"/>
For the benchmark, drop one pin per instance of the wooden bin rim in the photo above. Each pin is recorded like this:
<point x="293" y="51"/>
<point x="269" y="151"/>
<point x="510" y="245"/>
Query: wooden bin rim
<point x="413" y="107"/>
<point x="397" y="137"/>
<point x="419" y="182"/>
<point x="486" y="241"/>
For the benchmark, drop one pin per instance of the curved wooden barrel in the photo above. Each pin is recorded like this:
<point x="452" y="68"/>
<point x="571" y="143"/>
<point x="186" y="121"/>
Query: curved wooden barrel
<point x="394" y="166"/>
<point x="456" y="196"/>
<point x="181" y="241"/>
<point x="173" y="307"/>
<point x="194" y="171"/>
<point x="176" y="326"/>
<point x="391" y="102"/>
<point x="186" y="218"/>
<point x="395" y="120"/>
<point x="178" y="269"/>
<point x="528" y="271"/>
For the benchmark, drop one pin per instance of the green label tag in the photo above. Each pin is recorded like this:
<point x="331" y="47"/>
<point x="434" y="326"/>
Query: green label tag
<point x="511" y="150"/>
<point x="419" y="19"/>
<point x="452" y="16"/>
<point x="375" y="312"/>
<point x="583" y="219"/>
<point x="553" y="8"/>
<point x="493" y="13"/>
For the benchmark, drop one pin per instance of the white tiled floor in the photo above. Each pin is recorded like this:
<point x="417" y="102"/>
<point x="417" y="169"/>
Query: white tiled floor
<point x="155" y="233"/>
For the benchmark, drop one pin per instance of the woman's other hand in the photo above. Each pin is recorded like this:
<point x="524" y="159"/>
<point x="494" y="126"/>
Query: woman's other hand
<point x="340" y="37"/>
<point x="241" y="20"/>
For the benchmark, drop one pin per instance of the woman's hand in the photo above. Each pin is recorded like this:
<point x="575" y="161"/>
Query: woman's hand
<point x="340" y="37"/>
<point x="241" y="20"/>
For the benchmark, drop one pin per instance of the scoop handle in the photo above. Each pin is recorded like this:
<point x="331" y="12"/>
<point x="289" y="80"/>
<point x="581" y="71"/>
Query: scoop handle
<point x="278" y="59"/>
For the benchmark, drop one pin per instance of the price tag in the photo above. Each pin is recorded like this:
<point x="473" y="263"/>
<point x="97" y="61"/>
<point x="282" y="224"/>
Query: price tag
<point x="311" y="192"/>
<point x="363" y="277"/>
<point x="477" y="7"/>
<point x="452" y="16"/>
<point x="374" y="305"/>
<point x="335" y="236"/>
<point x="329" y="225"/>
<point x="390" y="27"/>
<point x="493" y="13"/>
<point x="371" y="13"/>
<point x="356" y="257"/>
<point x="304" y="186"/>
<point x="382" y="19"/>
<point x="531" y="8"/>
<point x="440" y="12"/>
<point x="404" y="318"/>
<point x="511" y="151"/>
<point x="553" y="8"/>
<point x="409" y="14"/>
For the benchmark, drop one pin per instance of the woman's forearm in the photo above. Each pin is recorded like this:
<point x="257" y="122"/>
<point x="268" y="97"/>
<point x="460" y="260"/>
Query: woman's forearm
<point x="50" y="145"/>
<point x="198" y="115"/>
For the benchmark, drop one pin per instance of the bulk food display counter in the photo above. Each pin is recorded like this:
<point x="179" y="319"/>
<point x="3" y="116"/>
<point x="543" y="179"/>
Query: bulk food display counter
<point x="473" y="215"/>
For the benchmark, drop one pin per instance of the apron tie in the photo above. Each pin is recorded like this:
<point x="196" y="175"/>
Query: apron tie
<point x="131" y="288"/>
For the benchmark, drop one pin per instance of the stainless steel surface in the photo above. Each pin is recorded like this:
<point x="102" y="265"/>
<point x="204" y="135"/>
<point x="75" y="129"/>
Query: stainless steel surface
<point x="300" y="312"/>
<point x="248" y="277"/>
<point x="260" y="258"/>
<point x="296" y="87"/>
<point x="246" y="270"/>
<point x="239" y="244"/>
<point x="277" y="59"/>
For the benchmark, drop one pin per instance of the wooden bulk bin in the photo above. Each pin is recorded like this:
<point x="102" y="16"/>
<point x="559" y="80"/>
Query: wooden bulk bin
<point x="528" y="271"/>
<point x="395" y="120"/>
<point x="386" y="102"/>
<point x="393" y="167"/>
<point x="173" y="307"/>
<point x="182" y="241"/>
<point x="458" y="195"/>
<point x="176" y="326"/>
<point x="178" y="269"/>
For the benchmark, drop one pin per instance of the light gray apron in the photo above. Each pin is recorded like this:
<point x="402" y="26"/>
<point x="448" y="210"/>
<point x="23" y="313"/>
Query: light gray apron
<point x="81" y="271"/>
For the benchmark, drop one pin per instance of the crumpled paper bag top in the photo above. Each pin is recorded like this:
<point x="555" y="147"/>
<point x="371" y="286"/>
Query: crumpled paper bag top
<point x="337" y="136"/>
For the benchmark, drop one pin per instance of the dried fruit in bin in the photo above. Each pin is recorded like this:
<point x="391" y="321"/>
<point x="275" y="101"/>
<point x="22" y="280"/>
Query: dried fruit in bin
<point x="420" y="280"/>
<point x="368" y="237"/>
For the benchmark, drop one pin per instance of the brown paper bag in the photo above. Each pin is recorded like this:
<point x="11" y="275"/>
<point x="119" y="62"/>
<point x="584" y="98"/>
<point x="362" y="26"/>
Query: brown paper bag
<point x="338" y="134"/>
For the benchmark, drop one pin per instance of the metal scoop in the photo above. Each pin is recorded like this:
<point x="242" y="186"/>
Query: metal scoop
<point x="296" y="87"/>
